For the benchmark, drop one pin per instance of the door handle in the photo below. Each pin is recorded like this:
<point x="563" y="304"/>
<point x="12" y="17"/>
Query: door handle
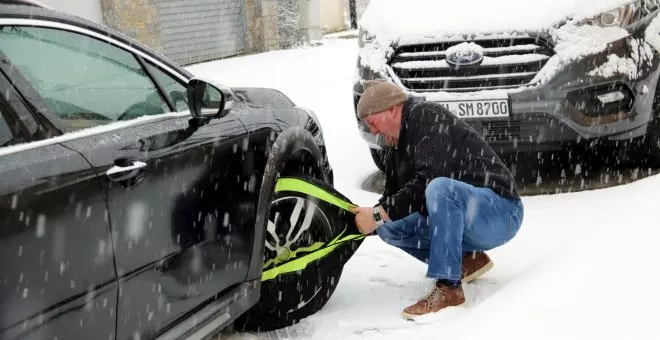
<point x="121" y="173"/>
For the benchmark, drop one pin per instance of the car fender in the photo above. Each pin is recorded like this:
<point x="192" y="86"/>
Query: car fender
<point x="282" y="107"/>
<point x="263" y="97"/>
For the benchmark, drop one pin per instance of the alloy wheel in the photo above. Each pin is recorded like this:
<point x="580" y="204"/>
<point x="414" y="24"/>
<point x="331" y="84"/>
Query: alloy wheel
<point x="296" y="226"/>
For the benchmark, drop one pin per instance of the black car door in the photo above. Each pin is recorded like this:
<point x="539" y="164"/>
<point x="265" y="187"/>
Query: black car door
<point x="173" y="184"/>
<point x="57" y="276"/>
<point x="167" y="200"/>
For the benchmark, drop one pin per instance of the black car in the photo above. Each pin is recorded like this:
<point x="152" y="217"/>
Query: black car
<point x="135" y="198"/>
<point x="536" y="76"/>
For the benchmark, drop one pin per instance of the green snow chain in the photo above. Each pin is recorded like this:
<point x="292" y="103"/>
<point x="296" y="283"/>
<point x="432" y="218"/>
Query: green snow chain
<point x="292" y="184"/>
<point x="293" y="254"/>
<point x="317" y="250"/>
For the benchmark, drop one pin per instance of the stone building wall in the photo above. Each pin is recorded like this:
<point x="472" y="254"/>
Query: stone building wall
<point x="138" y="19"/>
<point x="142" y="20"/>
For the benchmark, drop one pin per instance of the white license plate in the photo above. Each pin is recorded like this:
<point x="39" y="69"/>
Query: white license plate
<point x="482" y="108"/>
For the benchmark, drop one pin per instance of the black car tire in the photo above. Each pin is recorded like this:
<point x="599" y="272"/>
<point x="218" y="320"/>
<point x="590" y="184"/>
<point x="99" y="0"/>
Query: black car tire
<point x="379" y="158"/>
<point x="288" y="298"/>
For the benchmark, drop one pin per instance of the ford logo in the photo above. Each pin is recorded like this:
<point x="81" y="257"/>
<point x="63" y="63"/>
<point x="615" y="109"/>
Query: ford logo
<point x="465" y="54"/>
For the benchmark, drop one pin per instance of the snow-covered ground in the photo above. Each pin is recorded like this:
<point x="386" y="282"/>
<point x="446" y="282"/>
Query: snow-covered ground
<point x="582" y="267"/>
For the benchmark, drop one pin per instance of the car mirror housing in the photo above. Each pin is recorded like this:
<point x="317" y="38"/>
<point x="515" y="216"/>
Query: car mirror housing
<point x="207" y="99"/>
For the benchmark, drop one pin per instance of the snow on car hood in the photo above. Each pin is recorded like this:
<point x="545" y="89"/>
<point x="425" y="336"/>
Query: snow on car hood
<point x="387" y="22"/>
<point x="414" y="19"/>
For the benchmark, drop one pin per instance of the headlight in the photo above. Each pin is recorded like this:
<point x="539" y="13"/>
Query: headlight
<point x="619" y="17"/>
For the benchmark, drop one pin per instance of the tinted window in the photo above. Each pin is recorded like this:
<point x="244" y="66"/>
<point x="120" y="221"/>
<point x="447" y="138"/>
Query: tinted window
<point x="86" y="82"/>
<point x="173" y="88"/>
<point x="10" y="125"/>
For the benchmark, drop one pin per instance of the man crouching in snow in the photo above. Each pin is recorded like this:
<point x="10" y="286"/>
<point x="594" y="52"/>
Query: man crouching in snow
<point x="448" y="197"/>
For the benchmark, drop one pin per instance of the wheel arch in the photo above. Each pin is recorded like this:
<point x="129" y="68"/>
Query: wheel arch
<point x="292" y="148"/>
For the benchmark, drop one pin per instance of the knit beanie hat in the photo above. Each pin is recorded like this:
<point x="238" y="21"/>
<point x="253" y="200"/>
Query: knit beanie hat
<point x="378" y="96"/>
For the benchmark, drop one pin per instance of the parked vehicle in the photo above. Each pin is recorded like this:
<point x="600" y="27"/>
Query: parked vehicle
<point x="135" y="197"/>
<point x="529" y="76"/>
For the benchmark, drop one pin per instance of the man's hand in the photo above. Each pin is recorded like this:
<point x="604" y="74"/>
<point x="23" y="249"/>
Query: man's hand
<point x="364" y="219"/>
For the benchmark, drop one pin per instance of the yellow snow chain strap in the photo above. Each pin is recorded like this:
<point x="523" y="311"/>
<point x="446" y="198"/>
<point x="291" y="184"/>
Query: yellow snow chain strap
<point x="318" y="252"/>
<point x="293" y="254"/>
<point x="302" y="262"/>
<point x="292" y="184"/>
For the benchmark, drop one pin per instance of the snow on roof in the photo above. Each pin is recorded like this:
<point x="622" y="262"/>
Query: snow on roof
<point x="25" y="2"/>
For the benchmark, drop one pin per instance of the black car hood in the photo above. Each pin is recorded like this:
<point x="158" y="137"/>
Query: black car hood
<point x="263" y="97"/>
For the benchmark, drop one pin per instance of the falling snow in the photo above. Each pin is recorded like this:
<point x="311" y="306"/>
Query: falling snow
<point x="574" y="235"/>
<point x="566" y="235"/>
<point x="14" y="202"/>
<point x="225" y="220"/>
<point x="41" y="226"/>
<point x="137" y="218"/>
<point x="89" y="300"/>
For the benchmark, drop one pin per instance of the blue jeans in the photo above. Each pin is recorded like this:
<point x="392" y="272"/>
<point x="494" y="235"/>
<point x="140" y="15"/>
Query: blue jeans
<point x="461" y="218"/>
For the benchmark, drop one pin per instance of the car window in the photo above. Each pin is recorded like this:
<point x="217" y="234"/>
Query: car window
<point x="173" y="88"/>
<point x="85" y="81"/>
<point x="6" y="135"/>
<point x="9" y="131"/>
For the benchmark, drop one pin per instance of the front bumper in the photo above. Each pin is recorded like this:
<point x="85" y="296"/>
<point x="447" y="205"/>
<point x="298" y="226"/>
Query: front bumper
<point x="557" y="108"/>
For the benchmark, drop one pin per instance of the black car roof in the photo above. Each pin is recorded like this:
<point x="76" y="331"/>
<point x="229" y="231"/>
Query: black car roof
<point x="23" y="3"/>
<point x="9" y="9"/>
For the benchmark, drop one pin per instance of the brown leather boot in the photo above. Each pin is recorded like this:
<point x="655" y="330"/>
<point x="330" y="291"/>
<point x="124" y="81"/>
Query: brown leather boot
<point x="475" y="264"/>
<point x="441" y="296"/>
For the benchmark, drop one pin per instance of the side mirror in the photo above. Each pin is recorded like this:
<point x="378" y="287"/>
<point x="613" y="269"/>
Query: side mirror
<point x="208" y="100"/>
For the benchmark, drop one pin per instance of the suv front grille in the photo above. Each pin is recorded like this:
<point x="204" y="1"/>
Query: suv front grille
<point x="507" y="63"/>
